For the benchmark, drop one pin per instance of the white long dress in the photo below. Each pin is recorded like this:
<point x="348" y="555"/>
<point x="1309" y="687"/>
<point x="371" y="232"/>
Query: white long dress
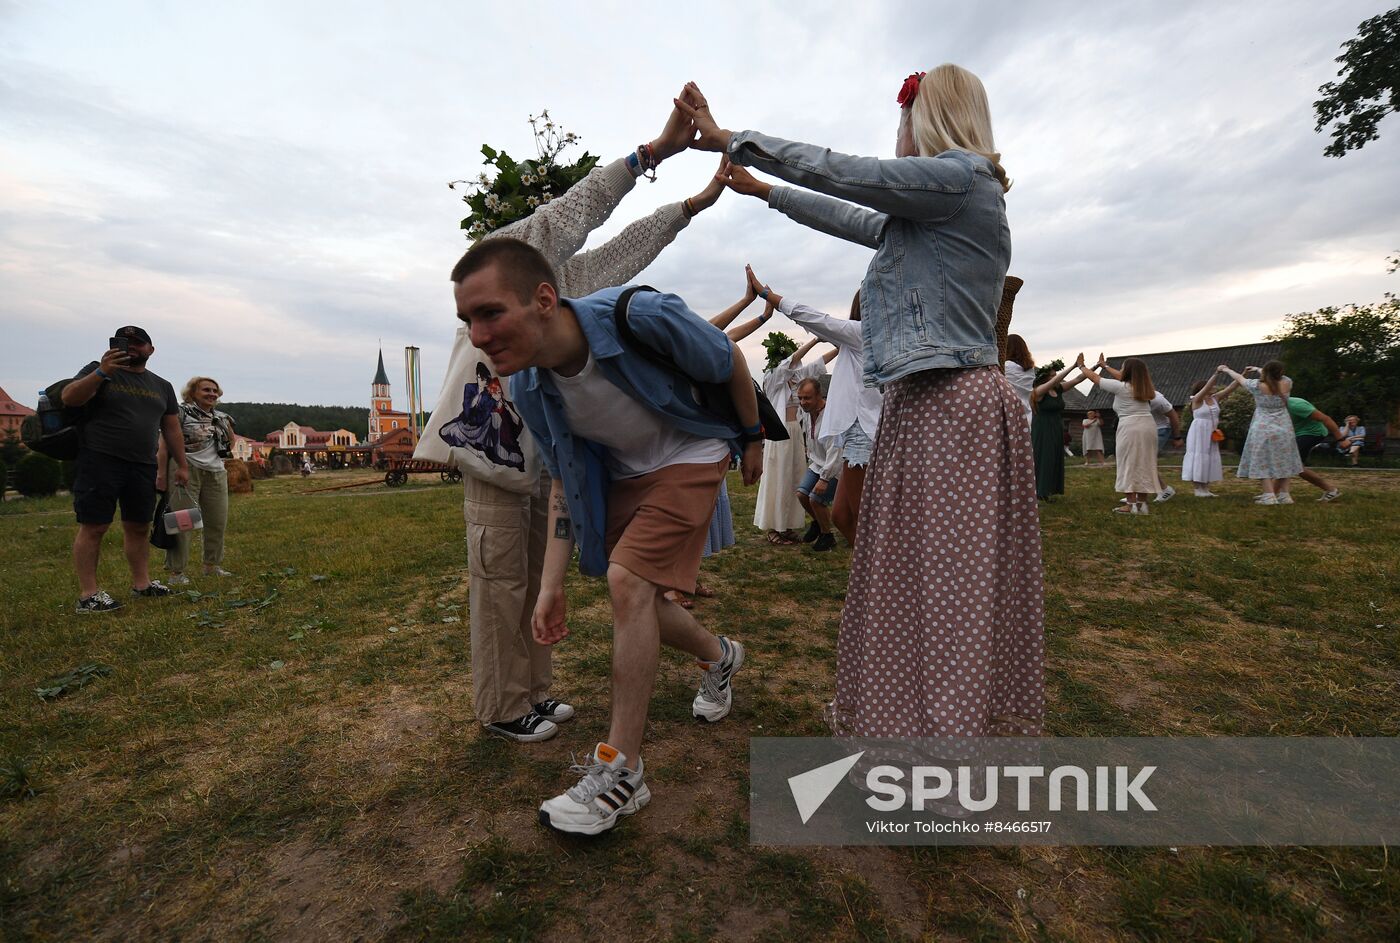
<point x="1202" y="461"/>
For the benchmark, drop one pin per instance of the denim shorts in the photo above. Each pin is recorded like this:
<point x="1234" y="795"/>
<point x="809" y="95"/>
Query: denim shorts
<point x="1164" y="435"/>
<point x="856" y="446"/>
<point x="809" y="481"/>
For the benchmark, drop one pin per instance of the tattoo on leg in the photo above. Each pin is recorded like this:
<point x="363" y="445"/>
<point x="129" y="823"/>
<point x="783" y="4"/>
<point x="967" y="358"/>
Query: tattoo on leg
<point x="563" y="529"/>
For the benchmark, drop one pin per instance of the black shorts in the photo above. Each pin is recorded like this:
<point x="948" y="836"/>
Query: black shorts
<point x="102" y="481"/>
<point x="1306" y="443"/>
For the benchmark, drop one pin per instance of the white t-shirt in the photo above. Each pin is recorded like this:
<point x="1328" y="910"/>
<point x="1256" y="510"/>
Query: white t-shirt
<point x="1160" y="406"/>
<point x="1023" y="382"/>
<point x="638" y="440"/>
<point x="1123" y="403"/>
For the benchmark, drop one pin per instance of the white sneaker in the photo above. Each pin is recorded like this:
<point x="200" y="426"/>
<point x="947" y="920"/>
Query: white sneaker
<point x="1332" y="495"/>
<point x="1167" y="494"/>
<point x="715" y="697"/>
<point x="177" y="579"/>
<point x="1140" y="507"/>
<point x="1284" y="498"/>
<point x="1266" y="499"/>
<point x="607" y="791"/>
<point x="216" y="571"/>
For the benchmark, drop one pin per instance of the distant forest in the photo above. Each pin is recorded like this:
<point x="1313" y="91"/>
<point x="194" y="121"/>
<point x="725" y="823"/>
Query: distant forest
<point x="256" y="420"/>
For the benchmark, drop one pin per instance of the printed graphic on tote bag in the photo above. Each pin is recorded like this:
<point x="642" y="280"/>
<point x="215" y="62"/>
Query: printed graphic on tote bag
<point x="488" y="423"/>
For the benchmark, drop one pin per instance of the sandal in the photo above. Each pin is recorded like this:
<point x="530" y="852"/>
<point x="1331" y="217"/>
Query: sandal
<point x="703" y="591"/>
<point x="679" y="598"/>
<point x="778" y="539"/>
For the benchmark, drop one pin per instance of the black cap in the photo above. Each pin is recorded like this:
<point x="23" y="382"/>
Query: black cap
<point x="133" y="333"/>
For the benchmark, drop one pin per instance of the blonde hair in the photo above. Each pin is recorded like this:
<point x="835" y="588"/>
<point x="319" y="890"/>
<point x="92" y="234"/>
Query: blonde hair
<point x="950" y="112"/>
<point x="187" y="394"/>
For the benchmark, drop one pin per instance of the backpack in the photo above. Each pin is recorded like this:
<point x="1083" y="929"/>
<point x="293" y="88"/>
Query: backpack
<point x="53" y="430"/>
<point x="714" y="398"/>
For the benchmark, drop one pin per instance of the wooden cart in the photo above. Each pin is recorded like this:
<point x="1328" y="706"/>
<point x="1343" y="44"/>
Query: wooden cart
<point x="399" y="469"/>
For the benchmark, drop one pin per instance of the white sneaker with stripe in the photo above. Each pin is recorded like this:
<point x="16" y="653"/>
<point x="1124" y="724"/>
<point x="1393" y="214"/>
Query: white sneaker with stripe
<point x="607" y="791"/>
<point x="715" y="697"/>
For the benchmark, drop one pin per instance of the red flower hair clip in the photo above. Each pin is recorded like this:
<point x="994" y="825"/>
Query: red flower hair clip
<point x="910" y="89"/>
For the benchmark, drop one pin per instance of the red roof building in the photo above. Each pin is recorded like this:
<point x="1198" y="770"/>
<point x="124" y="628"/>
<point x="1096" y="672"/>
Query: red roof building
<point x="12" y="413"/>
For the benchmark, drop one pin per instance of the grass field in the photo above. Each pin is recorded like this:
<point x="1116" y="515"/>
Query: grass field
<point x="293" y="755"/>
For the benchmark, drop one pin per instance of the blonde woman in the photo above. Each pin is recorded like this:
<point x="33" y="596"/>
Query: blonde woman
<point x="208" y="441"/>
<point x="950" y="489"/>
<point x="1136" y="440"/>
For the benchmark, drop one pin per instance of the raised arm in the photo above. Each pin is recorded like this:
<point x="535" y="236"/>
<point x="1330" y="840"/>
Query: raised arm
<point x="1089" y="374"/>
<point x="1237" y="377"/>
<point x="822" y="213"/>
<point x="1048" y="385"/>
<point x="803" y="351"/>
<point x="1199" y="399"/>
<point x="725" y="317"/>
<point x="737" y="334"/>
<point x="1106" y="369"/>
<point x="842" y="333"/>
<point x="830" y="355"/>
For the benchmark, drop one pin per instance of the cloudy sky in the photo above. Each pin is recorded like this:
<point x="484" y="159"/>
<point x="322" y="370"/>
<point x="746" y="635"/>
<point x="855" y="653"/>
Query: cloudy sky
<point x="263" y="185"/>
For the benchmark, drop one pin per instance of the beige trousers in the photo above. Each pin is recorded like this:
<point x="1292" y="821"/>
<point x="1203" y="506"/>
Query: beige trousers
<point x="505" y="553"/>
<point x="208" y="491"/>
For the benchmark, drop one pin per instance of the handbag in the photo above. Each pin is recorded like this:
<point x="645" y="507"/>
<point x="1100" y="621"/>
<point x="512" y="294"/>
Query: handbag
<point x="714" y="398"/>
<point x="160" y="538"/>
<point x="1217" y="436"/>
<point x="476" y="430"/>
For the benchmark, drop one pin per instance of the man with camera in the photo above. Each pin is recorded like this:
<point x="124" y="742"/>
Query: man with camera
<point x="129" y="410"/>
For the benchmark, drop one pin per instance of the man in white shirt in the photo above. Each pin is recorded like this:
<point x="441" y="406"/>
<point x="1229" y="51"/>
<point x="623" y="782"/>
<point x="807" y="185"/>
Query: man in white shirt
<point x="1168" y="422"/>
<point x="818" y="486"/>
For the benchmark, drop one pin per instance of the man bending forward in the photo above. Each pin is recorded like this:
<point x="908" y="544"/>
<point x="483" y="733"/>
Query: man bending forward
<point x="635" y="467"/>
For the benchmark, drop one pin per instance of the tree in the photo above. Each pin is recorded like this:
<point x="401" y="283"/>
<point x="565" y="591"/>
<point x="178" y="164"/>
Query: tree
<point x="1369" y="88"/>
<point x="1346" y="360"/>
<point x="37" y="475"/>
<point x="10" y="449"/>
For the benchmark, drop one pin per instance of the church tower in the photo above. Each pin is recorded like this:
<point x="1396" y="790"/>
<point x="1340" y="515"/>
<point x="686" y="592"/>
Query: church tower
<point x="380" y="401"/>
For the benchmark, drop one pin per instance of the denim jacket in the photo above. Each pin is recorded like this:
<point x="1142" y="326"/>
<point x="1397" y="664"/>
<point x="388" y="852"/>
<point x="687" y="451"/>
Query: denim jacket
<point x="664" y="323"/>
<point x="942" y="245"/>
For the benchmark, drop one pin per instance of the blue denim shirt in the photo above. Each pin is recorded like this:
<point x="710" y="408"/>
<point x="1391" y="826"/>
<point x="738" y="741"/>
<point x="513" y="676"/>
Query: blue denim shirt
<point x="942" y="245"/>
<point x="664" y="323"/>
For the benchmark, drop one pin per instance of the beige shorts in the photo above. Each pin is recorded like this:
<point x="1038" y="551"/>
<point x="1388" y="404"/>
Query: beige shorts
<point x="657" y="523"/>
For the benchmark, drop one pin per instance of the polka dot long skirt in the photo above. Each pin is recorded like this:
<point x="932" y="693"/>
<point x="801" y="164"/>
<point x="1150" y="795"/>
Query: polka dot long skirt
<point x="943" y="633"/>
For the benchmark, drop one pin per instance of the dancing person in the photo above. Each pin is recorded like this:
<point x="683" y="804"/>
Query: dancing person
<point x="208" y="435"/>
<point x="1048" y="433"/>
<point x="777" y="510"/>
<point x="1019" y="368"/>
<point x="817" y="489"/>
<point x="1355" y="439"/>
<point x="1310" y="426"/>
<point x="1092" y="438"/>
<point x="1201" y="465"/>
<point x="950" y="489"/>
<point x="852" y="409"/>
<point x="635" y="466"/>
<point x="511" y="673"/>
<point x="1270" y="453"/>
<point x="1167" y="421"/>
<point x="1136" y="438"/>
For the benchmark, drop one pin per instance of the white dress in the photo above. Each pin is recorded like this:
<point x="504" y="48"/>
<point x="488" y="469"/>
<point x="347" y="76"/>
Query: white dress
<point x="1202" y="461"/>
<point x="784" y="463"/>
<point x="1023" y="382"/>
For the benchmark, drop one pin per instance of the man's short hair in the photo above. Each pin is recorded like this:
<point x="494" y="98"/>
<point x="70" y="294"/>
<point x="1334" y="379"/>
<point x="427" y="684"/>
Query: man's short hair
<point x="523" y="266"/>
<point x="816" y="385"/>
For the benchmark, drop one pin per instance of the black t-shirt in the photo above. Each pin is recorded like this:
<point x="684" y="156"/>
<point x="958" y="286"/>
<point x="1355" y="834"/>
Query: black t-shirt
<point x="126" y="414"/>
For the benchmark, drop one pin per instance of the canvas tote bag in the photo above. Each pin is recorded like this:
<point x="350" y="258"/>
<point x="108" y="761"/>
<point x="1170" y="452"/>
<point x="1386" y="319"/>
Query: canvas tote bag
<point x="475" y="426"/>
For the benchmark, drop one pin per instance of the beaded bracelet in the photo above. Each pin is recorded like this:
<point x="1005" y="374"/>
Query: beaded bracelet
<point x="646" y="157"/>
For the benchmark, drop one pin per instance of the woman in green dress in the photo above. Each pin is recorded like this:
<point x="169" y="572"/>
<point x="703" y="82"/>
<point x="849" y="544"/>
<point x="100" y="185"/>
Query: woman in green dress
<point x="1048" y="434"/>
